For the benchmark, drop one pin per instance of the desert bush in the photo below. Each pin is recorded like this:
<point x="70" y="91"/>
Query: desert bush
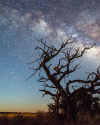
<point x="4" y="120"/>
<point x="17" y="120"/>
<point x="39" y="118"/>
<point x="51" y="119"/>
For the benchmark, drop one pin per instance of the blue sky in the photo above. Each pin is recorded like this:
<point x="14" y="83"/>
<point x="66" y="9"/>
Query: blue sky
<point x="24" y="21"/>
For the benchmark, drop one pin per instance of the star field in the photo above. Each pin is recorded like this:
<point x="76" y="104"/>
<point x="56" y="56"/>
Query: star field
<point x="24" y="21"/>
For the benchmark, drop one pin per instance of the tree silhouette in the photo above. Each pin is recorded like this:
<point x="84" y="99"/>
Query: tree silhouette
<point x="60" y="72"/>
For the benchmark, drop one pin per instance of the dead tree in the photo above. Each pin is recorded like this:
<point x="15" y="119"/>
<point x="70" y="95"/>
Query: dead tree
<point x="62" y="70"/>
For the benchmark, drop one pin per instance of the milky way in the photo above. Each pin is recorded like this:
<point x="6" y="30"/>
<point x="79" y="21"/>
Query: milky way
<point x="24" y="21"/>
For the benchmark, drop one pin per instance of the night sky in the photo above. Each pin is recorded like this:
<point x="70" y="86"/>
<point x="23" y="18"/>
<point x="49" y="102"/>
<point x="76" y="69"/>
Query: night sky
<point x="24" y="21"/>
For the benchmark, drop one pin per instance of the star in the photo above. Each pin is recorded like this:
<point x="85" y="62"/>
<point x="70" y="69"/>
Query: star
<point x="24" y="21"/>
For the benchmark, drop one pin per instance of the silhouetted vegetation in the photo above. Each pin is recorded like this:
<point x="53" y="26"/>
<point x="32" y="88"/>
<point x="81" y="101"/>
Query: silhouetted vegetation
<point x="75" y="104"/>
<point x="50" y="119"/>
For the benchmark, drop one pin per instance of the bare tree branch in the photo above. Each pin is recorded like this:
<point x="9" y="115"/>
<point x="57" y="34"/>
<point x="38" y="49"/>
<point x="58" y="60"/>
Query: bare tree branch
<point x="47" y="92"/>
<point x="46" y="85"/>
<point x="62" y="70"/>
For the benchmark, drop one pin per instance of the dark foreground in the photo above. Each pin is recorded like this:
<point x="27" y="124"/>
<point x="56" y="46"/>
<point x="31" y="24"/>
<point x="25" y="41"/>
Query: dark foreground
<point x="47" y="119"/>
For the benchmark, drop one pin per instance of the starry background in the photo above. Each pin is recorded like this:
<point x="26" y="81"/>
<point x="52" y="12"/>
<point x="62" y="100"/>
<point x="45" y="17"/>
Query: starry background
<point x="24" y="21"/>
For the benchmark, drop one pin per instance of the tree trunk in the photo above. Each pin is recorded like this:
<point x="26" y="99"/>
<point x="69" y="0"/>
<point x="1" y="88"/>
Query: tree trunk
<point x="61" y="91"/>
<point x="71" y="112"/>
